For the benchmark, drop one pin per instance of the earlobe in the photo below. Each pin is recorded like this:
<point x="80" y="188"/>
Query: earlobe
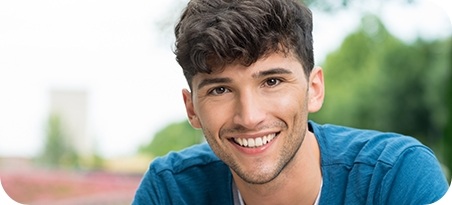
<point x="191" y="114"/>
<point x="316" y="90"/>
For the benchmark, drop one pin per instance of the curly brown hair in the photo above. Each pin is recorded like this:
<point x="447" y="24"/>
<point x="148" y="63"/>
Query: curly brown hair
<point x="213" y="33"/>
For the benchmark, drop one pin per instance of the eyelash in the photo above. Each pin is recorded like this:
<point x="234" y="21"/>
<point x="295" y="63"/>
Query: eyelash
<point x="214" y="91"/>
<point x="278" y="81"/>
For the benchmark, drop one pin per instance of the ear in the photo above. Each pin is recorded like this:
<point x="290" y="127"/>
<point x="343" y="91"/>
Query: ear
<point x="192" y="117"/>
<point x="316" y="90"/>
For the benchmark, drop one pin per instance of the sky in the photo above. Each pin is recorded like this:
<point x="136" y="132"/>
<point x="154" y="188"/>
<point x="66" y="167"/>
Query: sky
<point x="114" y="50"/>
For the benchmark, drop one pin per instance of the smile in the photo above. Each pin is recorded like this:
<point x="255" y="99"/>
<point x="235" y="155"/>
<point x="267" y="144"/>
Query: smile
<point x="255" y="142"/>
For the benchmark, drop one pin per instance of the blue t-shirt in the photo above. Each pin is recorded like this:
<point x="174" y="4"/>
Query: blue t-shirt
<point x="358" y="167"/>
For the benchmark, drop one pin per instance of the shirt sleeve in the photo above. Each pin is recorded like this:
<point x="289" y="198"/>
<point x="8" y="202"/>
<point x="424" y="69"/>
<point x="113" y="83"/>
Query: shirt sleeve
<point x="148" y="191"/>
<point x="415" y="178"/>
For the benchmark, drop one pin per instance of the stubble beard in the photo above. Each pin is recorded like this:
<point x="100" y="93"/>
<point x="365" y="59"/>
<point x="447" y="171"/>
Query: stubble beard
<point x="292" y="144"/>
<point x="286" y="156"/>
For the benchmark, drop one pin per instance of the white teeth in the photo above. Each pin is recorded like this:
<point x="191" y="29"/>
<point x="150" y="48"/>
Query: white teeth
<point x="251" y="142"/>
<point x="255" y="142"/>
<point x="258" y="142"/>
<point x="239" y="140"/>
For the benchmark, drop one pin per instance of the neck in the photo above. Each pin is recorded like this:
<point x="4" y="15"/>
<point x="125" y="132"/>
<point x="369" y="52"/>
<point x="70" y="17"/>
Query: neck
<point x="298" y="182"/>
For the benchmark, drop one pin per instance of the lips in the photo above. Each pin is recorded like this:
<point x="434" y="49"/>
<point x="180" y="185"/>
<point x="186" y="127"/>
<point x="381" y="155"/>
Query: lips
<point x="255" y="142"/>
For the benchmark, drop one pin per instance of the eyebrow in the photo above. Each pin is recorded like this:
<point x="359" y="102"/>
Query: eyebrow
<point x="210" y="81"/>
<point x="260" y="74"/>
<point x="272" y="71"/>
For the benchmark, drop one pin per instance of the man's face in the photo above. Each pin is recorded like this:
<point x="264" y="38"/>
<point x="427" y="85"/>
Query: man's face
<point x="255" y="118"/>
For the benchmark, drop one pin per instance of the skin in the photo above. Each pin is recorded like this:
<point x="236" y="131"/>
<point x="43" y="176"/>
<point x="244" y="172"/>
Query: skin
<point x="271" y="96"/>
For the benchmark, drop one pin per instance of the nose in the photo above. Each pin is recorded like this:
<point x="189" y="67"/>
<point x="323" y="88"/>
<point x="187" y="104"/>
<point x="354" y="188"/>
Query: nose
<point x="250" y="110"/>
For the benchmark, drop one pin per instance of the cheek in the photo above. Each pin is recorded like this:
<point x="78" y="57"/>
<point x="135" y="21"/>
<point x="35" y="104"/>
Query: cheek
<point x="213" y="117"/>
<point x="289" y="103"/>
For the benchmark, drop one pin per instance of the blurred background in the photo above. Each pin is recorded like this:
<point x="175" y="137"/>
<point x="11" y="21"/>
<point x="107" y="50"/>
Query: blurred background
<point x="91" y="93"/>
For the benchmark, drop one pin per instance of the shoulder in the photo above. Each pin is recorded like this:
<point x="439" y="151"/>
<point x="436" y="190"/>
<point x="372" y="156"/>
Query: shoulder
<point x="194" y="174"/>
<point x="345" y="145"/>
<point x="177" y="162"/>
<point x="369" y="166"/>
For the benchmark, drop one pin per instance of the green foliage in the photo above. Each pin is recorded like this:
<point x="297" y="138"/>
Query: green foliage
<point x="447" y="140"/>
<point x="378" y="82"/>
<point x="173" y="137"/>
<point x="336" y="5"/>
<point x="58" y="152"/>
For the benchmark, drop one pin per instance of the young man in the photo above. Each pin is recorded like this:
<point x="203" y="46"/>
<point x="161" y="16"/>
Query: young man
<point x="250" y="68"/>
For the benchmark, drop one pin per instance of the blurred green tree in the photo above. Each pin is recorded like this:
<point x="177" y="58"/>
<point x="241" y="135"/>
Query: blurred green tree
<point x="377" y="81"/>
<point x="58" y="153"/>
<point x="173" y="137"/>
<point x="447" y="140"/>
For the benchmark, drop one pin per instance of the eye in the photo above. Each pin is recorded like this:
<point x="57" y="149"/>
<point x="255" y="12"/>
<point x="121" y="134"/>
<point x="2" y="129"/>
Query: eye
<point x="218" y="91"/>
<point x="272" y="82"/>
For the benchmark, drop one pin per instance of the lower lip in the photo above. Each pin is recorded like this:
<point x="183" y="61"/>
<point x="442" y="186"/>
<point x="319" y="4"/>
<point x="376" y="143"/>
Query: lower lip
<point x="255" y="150"/>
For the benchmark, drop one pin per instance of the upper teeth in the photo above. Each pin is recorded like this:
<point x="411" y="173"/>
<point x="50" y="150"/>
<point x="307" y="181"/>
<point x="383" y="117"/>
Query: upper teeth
<point x="255" y="142"/>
